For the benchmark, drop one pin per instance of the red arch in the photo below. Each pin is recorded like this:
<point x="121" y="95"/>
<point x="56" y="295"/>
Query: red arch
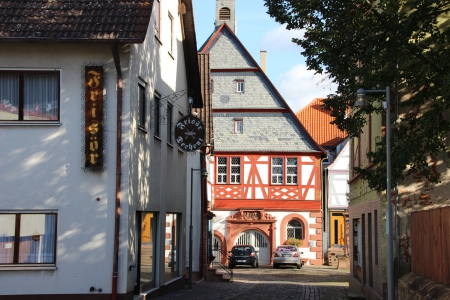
<point x="283" y="227"/>
<point x="223" y="243"/>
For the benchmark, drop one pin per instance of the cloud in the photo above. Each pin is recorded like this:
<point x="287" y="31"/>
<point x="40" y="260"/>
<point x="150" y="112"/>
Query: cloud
<point x="280" y="39"/>
<point x="299" y="86"/>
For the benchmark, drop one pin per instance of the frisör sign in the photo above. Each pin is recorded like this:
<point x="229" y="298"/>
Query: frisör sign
<point x="189" y="133"/>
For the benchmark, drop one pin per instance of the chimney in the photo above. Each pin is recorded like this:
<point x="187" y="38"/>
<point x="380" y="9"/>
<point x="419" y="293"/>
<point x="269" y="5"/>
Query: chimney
<point x="263" y="60"/>
<point x="225" y="14"/>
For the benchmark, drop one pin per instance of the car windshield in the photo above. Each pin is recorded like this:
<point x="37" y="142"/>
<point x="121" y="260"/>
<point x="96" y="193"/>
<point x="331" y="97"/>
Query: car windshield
<point x="286" y="248"/>
<point x="242" y="250"/>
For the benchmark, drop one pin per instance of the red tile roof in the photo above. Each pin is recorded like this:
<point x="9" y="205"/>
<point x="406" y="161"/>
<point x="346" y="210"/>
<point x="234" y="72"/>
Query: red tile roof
<point x="316" y="119"/>
<point x="75" y="21"/>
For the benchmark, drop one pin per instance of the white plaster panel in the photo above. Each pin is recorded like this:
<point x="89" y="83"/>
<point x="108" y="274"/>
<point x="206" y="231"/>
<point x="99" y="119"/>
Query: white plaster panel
<point x="263" y="171"/>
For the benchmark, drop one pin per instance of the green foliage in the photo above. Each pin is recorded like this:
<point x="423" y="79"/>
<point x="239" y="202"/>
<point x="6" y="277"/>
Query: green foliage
<point x="374" y="44"/>
<point x="294" y="241"/>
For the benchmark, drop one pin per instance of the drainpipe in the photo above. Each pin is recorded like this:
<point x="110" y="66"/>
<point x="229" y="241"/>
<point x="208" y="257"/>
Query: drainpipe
<point x="116" y="57"/>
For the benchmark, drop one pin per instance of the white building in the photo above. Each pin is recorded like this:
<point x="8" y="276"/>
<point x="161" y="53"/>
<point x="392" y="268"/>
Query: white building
<point x="92" y="185"/>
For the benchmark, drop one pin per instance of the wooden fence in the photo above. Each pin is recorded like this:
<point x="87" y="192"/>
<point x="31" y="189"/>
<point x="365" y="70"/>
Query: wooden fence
<point x="430" y="244"/>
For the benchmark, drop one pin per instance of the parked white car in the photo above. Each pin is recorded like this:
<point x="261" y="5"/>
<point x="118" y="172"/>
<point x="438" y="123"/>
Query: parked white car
<point x="287" y="255"/>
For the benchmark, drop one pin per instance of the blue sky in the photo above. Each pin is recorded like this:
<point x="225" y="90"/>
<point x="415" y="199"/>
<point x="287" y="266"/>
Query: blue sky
<point x="257" y="31"/>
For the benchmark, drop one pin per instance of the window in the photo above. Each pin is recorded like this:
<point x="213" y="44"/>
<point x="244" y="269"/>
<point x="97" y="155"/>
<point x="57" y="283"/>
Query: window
<point x="375" y="227"/>
<point x="29" y="95"/>
<point x="157" y="109"/>
<point x="146" y="245"/>
<point x="224" y="13"/>
<point x="294" y="229"/>
<point x="235" y="170"/>
<point x="238" y="126"/>
<point x="223" y="171"/>
<point x="141" y="103"/>
<point x="171" y="243"/>
<point x="171" y="33"/>
<point x="278" y="170"/>
<point x="291" y="174"/>
<point x="169" y="123"/>
<point x="27" y="238"/>
<point x="156" y="18"/>
<point x="240" y="86"/>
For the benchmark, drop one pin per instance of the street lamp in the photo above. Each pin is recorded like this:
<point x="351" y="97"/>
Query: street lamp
<point x="361" y="101"/>
<point x="204" y="174"/>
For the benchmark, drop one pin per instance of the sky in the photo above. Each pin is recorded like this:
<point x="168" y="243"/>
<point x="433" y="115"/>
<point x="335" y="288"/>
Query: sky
<point x="256" y="30"/>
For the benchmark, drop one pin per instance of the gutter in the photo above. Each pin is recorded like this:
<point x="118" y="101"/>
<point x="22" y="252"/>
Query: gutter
<point x="116" y="57"/>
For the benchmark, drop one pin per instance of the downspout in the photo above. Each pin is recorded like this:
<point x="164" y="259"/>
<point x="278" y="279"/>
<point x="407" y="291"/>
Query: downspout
<point x="116" y="57"/>
<point x="325" y="242"/>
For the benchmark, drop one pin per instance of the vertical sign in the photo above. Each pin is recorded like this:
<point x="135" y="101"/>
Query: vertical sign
<point x="94" y="118"/>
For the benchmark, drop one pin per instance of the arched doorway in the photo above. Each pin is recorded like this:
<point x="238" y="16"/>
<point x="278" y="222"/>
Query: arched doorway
<point x="257" y="240"/>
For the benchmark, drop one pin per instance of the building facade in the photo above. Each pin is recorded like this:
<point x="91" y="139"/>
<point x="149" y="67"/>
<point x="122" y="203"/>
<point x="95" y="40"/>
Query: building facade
<point x="93" y="200"/>
<point x="265" y="173"/>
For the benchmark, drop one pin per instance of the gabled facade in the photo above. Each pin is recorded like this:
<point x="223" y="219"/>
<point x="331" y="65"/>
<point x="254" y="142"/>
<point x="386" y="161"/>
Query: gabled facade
<point x="265" y="171"/>
<point x="93" y="188"/>
<point x="317" y="121"/>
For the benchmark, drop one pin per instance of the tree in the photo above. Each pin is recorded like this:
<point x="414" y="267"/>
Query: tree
<point x="374" y="44"/>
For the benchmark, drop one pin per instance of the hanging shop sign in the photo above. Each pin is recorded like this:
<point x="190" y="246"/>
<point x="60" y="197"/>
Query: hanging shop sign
<point x="94" y="117"/>
<point x="189" y="133"/>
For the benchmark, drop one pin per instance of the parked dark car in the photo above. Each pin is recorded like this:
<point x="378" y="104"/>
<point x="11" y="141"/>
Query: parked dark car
<point x="243" y="255"/>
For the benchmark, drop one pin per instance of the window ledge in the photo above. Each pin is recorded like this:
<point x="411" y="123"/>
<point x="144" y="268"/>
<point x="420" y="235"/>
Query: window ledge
<point x="142" y="129"/>
<point x="159" y="41"/>
<point x="29" y="123"/>
<point x="28" y="268"/>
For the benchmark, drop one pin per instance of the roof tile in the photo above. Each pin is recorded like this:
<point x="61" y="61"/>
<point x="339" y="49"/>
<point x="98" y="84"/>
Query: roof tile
<point x="316" y="119"/>
<point x="68" y="20"/>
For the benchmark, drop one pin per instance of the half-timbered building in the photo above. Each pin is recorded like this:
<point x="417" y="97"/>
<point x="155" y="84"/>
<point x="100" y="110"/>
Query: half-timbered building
<point x="266" y="169"/>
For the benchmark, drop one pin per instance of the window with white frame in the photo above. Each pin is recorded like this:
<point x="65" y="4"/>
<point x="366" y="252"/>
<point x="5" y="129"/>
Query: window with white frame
<point x="221" y="169"/>
<point x="277" y="170"/>
<point x="29" y="95"/>
<point x="238" y="126"/>
<point x="294" y="230"/>
<point x="239" y="86"/>
<point x="235" y="174"/>
<point x="284" y="170"/>
<point x="291" y="170"/>
<point x="27" y="238"/>
<point x="228" y="170"/>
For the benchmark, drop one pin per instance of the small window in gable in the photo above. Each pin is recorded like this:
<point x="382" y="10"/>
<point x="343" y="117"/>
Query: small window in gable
<point x="141" y="103"/>
<point x="238" y="126"/>
<point x="239" y="86"/>
<point x="156" y="19"/>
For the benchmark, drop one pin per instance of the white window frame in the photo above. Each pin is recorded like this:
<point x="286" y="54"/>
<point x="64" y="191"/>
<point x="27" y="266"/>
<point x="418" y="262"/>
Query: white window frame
<point x="43" y="112"/>
<point x="235" y="164"/>
<point x="222" y="176"/>
<point x="277" y="177"/>
<point x="240" y="86"/>
<point x="35" y="234"/>
<point x="239" y="126"/>
<point x="291" y="178"/>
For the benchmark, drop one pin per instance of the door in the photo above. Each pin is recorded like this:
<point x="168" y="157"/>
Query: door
<point x="257" y="240"/>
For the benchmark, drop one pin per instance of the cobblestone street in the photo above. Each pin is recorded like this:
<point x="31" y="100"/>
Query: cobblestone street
<point x="310" y="282"/>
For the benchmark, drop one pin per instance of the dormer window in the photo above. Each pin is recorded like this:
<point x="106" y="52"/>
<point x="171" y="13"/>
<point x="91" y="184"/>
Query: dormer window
<point x="238" y="126"/>
<point x="239" y="86"/>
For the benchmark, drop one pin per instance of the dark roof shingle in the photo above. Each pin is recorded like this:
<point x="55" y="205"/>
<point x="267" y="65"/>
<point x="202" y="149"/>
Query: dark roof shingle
<point x="75" y="20"/>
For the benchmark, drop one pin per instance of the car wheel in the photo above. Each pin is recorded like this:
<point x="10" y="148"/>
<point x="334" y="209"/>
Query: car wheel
<point x="275" y="266"/>
<point x="254" y="264"/>
<point x="299" y="266"/>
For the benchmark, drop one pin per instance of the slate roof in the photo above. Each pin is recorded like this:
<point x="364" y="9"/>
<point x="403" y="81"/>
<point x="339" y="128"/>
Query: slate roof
<point x="270" y="132"/>
<point x="75" y="21"/>
<point x="316" y="119"/>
